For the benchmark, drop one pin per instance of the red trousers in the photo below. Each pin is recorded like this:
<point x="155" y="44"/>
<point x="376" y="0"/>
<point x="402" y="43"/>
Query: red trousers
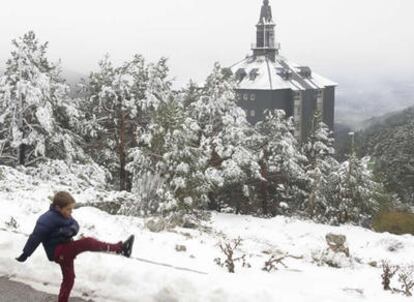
<point x="66" y="253"/>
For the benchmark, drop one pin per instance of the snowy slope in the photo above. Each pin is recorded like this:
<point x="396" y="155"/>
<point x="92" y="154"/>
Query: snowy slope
<point x="105" y="277"/>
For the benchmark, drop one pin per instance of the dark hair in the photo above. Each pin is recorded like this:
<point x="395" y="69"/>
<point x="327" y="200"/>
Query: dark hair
<point x="62" y="199"/>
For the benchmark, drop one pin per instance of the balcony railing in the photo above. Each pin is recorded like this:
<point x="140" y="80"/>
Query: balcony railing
<point x="266" y="46"/>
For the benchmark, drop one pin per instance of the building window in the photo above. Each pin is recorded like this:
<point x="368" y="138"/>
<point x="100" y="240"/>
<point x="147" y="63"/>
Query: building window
<point x="319" y="93"/>
<point x="297" y="109"/>
<point x="253" y="74"/>
<point x="285" y="74"/>
<point x="240" y="74"/>
<point x="297" y="105"/>
<point x="305" y="72"/>
<point x="252" y="97"/>
<point x="298" y="129"/>
<point x="319" y="101"/>
<point x="297" y="114"/>
<point x="252" y="113"/>
<point x="297" y="95"/>
<point x="245" y="96"/>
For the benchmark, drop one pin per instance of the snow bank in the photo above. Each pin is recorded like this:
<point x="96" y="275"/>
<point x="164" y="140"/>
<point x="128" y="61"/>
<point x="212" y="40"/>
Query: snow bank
<point x="105" y="277"/>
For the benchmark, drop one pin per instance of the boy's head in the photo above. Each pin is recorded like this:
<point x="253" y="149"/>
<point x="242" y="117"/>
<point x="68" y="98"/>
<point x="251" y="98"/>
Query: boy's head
<point x="64" y="203"/>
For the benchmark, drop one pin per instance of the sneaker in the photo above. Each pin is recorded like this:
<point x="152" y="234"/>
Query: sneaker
<point x="127" y="246"/>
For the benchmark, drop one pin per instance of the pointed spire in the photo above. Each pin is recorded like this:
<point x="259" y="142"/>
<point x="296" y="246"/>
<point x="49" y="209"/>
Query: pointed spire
<point x="266" y="13"/>
<point x="265" y="34"/>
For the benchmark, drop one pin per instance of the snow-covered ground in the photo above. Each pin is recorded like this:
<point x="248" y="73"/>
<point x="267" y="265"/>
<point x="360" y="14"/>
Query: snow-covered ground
<point x="106" y="277"/>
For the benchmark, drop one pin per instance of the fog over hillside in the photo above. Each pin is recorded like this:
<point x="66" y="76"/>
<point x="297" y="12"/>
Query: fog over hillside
<point x="73" y="77"/>
<point x="358" y="99"/>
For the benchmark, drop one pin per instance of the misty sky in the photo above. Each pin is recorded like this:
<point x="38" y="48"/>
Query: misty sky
<point x="332" y="36"/>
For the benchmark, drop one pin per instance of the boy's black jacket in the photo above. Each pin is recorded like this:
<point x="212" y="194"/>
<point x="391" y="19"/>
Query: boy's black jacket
<point x="51" y="229"/>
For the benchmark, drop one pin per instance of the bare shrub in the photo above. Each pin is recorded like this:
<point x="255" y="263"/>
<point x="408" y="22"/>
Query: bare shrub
<point x="228" y="250"/>
<point x="388" y="272"/>
<point x="271" y="264"/>
<point x="405" y="277"/>
<point x="12" y="223"/>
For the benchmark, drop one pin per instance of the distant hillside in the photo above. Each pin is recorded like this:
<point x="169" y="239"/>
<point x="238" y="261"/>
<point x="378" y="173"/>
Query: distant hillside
<point x="381" y="130"/>
<point x="342" y="141"/>
<point x="390" y="141"/>
<point x="359" y="98"/>
<point x="72" y="77"/>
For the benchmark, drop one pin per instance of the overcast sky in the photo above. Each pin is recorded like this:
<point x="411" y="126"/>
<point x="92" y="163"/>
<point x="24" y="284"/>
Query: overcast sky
<point x="332" y="36"/>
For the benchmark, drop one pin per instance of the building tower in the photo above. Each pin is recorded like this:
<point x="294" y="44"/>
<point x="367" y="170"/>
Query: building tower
<point x="265" y="34"/>
<point x="267" y="81"/>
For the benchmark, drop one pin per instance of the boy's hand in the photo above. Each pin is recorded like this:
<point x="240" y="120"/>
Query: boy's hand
<point x="69" y="230"/>
<point x="74" y="229"/>
<point x="22" y="258"/>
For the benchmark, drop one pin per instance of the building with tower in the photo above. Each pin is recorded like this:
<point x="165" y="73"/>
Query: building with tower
<point x="267" y="80"/>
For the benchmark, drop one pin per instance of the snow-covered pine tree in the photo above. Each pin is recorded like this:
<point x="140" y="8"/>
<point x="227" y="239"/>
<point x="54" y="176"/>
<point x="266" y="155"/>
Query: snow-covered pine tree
<point x="353" y="194"/>
<point x="36" y="112"/>
<point x="108" y="108"/>
<point x="223" y="134"/>
<point x="118" y="100"/>
<point x="283" y="180"/>
<point x="319" y="150"/>
<point x="169" y="149"/>
<point x="191" y="93"/>
<point x="6" y="151"/>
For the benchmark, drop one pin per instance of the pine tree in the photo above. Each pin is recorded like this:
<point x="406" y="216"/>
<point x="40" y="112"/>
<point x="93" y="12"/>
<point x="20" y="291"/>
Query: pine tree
<point x="319" y="150"/>
<point x="168" y="150"/>
<point x="283" y="178"/>
<point x="37" y="115"/>
<point x="223" y="134"/>
<point x="118" y="100"/>
<point x="191" y="93"/>
<point x="353" y="194"/>
<point x="107" y="110"/>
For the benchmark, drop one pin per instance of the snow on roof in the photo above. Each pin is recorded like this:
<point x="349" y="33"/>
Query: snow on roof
<point x="321" y="81"/>
<point x="277" y="75"/>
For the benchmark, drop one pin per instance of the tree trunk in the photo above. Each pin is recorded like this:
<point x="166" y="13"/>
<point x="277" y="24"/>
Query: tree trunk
<point x="212" y="204"/>
<point x="128" y="185"/>
<point x="264" y="188"/>
<point x="22" y="154"/>
<point x="121" y="152"/>
<point x="311" y="204"/>
<point x="235" y="197"/>
<point x="22" y="148"/>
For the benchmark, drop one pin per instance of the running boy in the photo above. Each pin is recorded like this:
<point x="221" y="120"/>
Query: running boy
<point x="55" y="229"/>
